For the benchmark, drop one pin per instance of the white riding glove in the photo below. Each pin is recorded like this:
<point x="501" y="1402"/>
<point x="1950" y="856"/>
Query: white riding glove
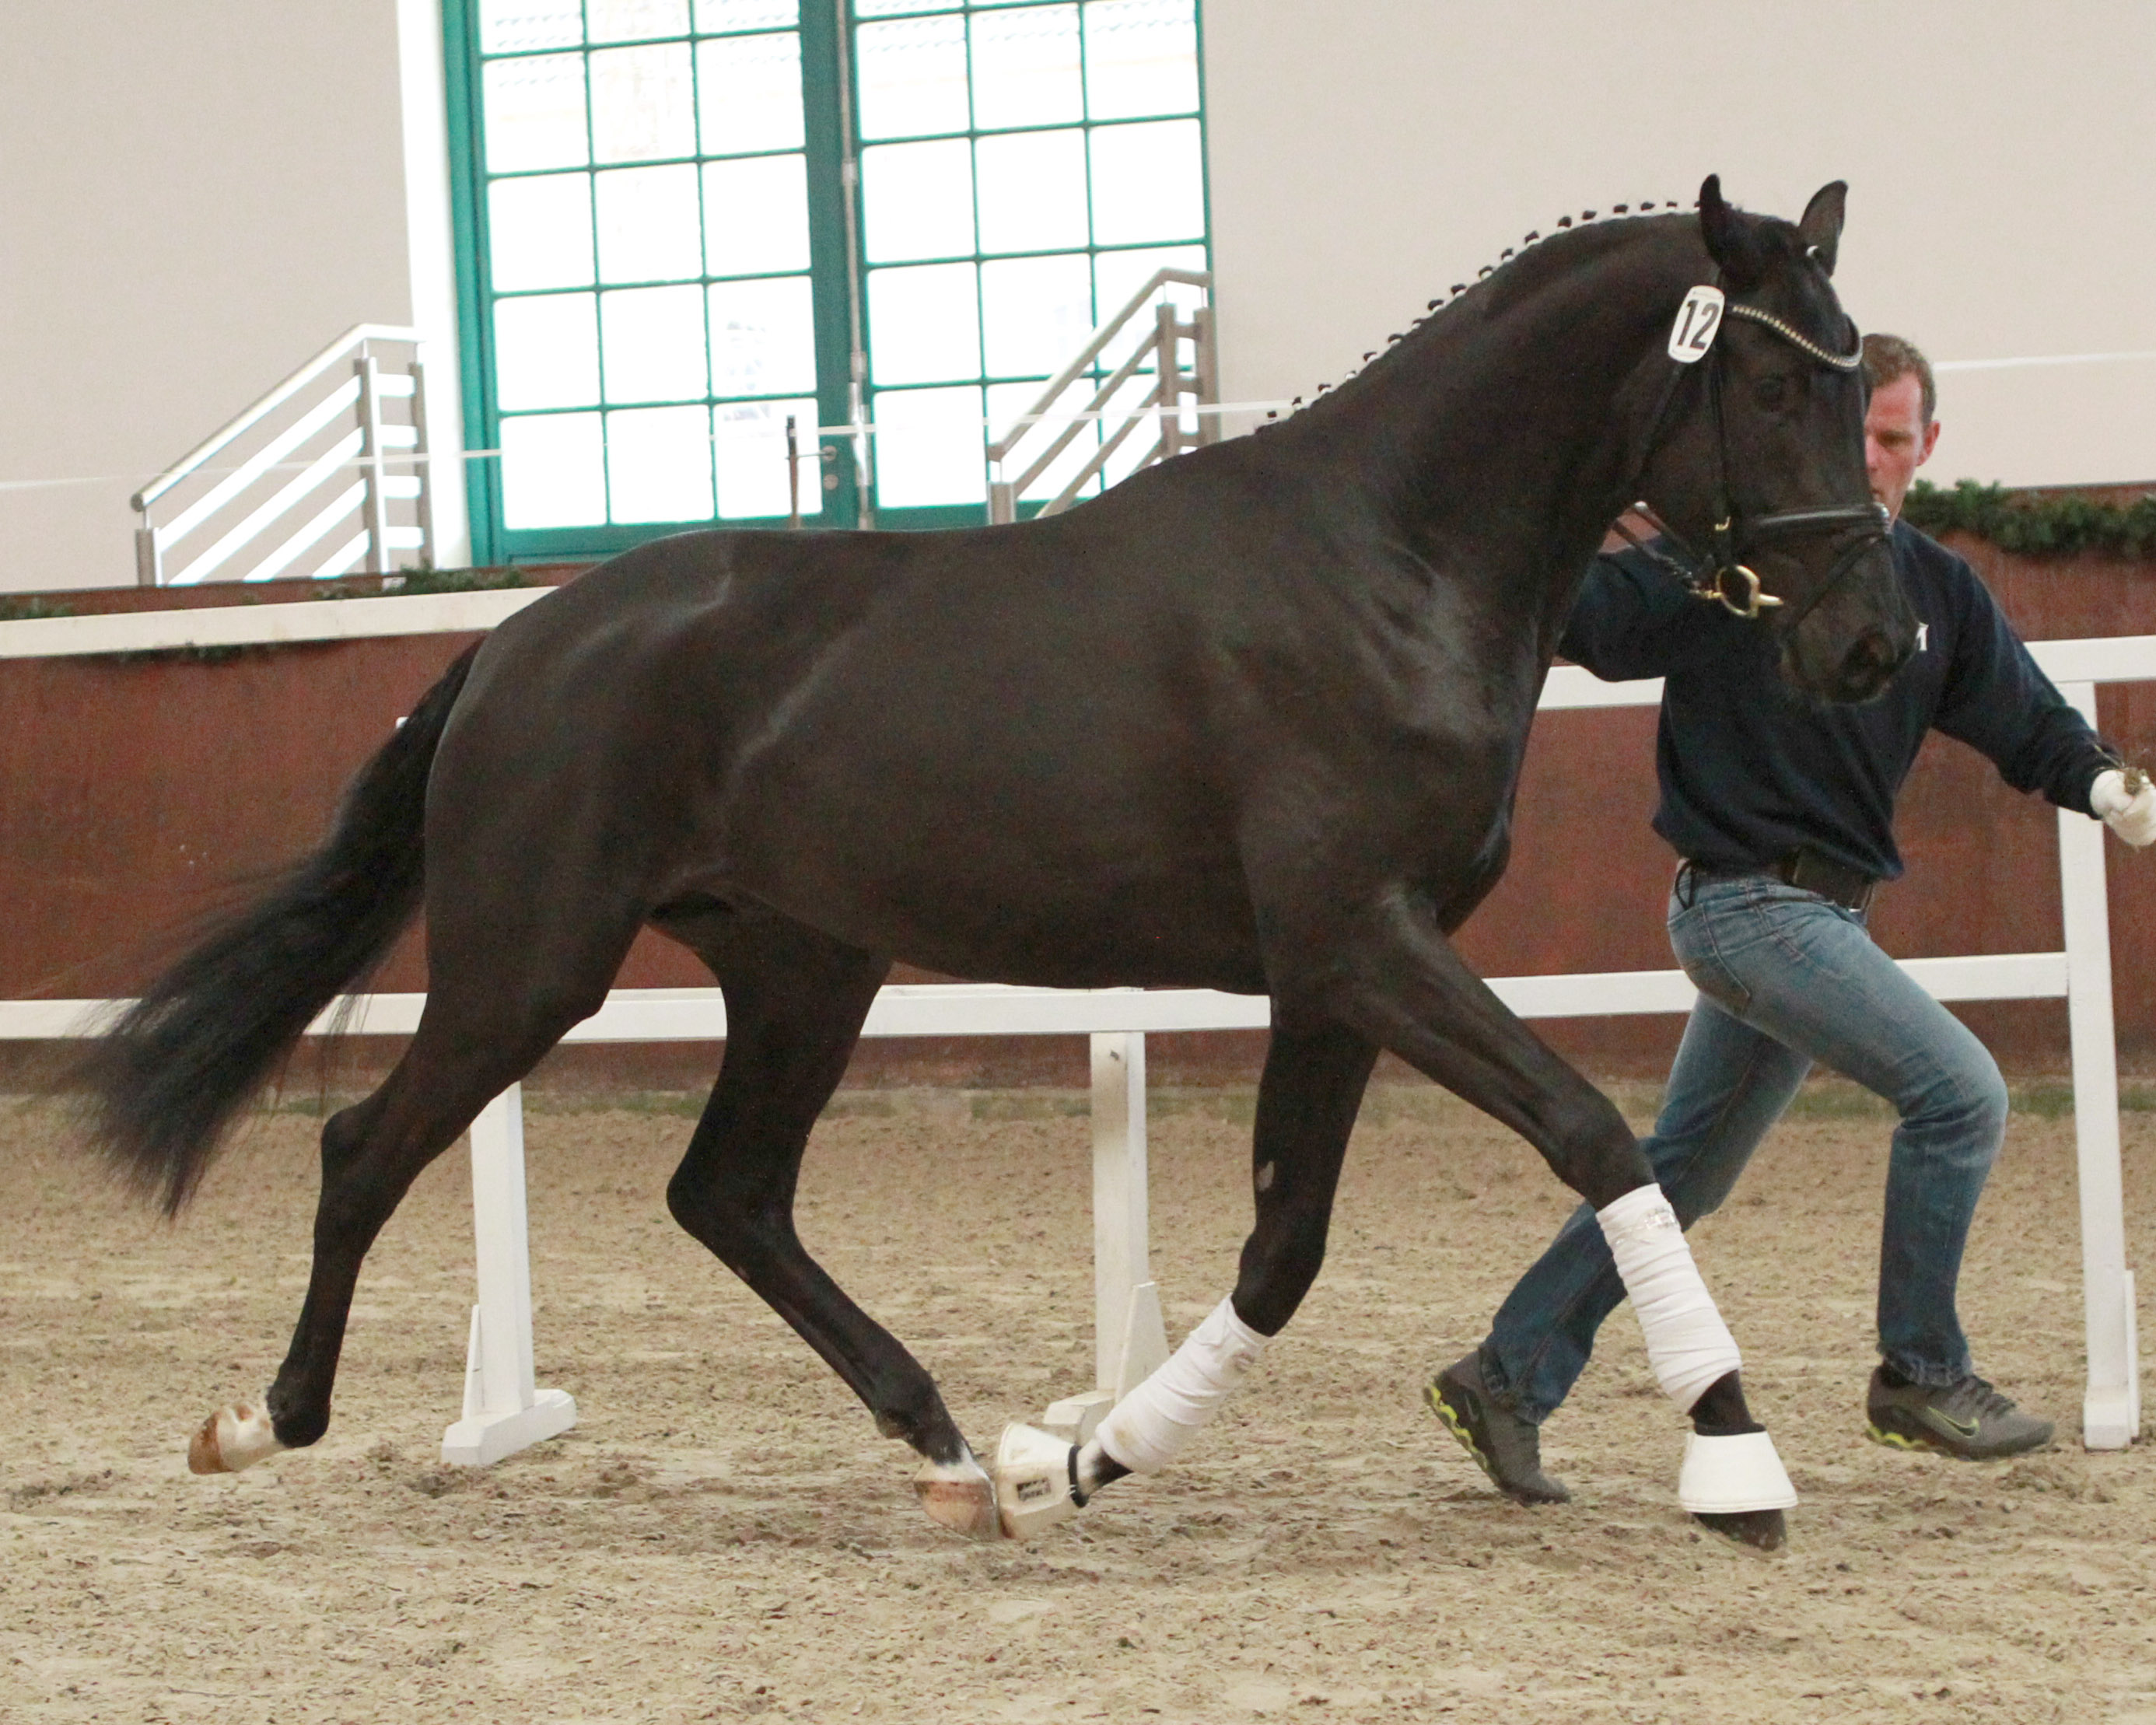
<point x="2131" y="814"/>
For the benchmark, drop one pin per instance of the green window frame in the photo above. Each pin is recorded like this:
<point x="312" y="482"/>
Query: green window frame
<point x="945" y="278"/>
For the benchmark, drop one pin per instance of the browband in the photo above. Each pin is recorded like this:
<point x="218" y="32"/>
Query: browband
<point x="1803" y="344"/>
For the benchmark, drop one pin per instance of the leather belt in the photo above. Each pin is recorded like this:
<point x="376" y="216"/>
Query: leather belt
<point x="1807" y="871"/>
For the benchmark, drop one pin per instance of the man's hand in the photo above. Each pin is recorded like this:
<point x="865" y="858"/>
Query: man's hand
<point x="2126" y="801"/>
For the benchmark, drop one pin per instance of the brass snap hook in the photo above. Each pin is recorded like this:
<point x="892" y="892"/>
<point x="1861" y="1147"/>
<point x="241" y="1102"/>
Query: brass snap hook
<point x="1754" y="601"/>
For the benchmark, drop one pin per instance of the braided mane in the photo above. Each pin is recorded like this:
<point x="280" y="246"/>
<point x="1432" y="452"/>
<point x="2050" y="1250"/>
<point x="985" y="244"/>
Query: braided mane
<point x="1506" y="260"/>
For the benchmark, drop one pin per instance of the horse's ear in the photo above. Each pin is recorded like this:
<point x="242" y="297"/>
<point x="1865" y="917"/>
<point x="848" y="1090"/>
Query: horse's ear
<point x="1820" y="229"/>
<point x="1730" y="235"/>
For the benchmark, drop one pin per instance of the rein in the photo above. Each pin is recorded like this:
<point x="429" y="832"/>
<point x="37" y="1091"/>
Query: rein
<point x="1710" y="577"/>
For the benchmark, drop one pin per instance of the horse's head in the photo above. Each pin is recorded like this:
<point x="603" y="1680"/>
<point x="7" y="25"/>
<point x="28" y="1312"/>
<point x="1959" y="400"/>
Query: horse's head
<point x="1756" y="450"/>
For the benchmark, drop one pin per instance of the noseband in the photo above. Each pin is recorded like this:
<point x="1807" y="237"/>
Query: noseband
<point x="1719" y="576"/>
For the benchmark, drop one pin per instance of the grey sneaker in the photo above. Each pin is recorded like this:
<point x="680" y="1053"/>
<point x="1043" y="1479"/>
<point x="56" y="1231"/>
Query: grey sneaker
<point x="1505" y="1446"/>
<point x="1969" y="1419"/>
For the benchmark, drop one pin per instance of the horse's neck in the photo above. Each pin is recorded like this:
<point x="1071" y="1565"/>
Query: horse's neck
<point x="1500" y="435"/>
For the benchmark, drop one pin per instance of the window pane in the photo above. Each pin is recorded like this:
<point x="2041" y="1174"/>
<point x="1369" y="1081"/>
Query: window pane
<point x="749" y="93"/>
<point x="638" y="20"/>
<point x="546" y="352"/>
<point x="1007" y="401"/>
<point x="746" y="14"/>
<point x="539" y="233"/>
<point x="752" y="448"/>
<point x="913" y="77"/>
<point x="1033" y="191"/>
<point x="1036" y="313"/>
<point x="534" y="113"/>
<point x="648" y="224"/>
<point x="642" y="103"/>
<point x="924" y="324"/>
<point x="553" y="471"/>
<point x="763" y="337"/>
<point x="890" y="8"/>
<point x="929" y="445"/>
<point x="654" y="344"/>
<point x="917" y="200"/>
<point x="1147" y="183"/>
<point x="518" y="26"/>
<point x="1025" y="67"/>
<point x="659" y="464"/>
<point x="756" y="215"/>
<point x="1141" y="58"/>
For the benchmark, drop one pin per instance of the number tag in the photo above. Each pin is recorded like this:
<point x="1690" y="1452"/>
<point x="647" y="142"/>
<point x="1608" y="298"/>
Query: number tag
<point x="1699" y="320"/>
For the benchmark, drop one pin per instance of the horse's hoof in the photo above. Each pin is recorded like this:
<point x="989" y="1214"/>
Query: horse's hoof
<point x="1761" y="1529"/>
<point x="959" y="1495"/>
<point x="231" y="1439"/>
<point x="1036" y="1472"/>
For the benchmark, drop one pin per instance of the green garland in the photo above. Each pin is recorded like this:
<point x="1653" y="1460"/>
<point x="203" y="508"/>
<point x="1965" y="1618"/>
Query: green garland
<point x="428" y="581"/>
<point x="29" y="610"/>
<point x="2043" y="523"/>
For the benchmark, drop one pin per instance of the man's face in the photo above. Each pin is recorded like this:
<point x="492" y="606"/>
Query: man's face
<point x="1896" y="440"/>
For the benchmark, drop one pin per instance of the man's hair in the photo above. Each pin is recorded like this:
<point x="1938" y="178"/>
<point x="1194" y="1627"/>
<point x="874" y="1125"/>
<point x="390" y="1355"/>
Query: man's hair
<point x="1889" y="358"/>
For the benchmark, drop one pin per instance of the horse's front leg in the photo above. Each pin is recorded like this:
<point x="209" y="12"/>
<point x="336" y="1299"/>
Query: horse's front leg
<point x="1307" y="1098"/>
<point x="1405" y="987"/>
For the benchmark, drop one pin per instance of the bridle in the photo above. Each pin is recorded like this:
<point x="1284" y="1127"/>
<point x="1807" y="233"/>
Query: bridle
<point x="1719" y="576"/>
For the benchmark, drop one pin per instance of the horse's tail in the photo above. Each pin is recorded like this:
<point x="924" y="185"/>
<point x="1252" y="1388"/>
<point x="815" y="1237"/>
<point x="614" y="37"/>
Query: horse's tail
<point x="167" y="1078"/>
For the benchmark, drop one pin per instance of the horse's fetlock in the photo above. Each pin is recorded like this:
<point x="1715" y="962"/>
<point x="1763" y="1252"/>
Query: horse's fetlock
<point x="296" y="1426"/>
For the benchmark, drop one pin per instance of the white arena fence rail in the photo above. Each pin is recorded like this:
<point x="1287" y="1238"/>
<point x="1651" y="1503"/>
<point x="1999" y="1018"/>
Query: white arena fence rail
<point x="503" y="1410"/>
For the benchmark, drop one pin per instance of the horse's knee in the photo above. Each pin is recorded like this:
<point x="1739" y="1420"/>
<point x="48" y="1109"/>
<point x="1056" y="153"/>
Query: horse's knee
<point x="1595" y="1153"/>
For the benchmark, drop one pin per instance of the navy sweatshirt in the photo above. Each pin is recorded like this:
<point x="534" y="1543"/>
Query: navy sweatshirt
<point x="1751" y="769"/>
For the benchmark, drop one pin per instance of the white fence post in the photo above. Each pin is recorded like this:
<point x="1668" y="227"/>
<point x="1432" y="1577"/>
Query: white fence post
<point x="503" y="1412"/>
<point x="2110" y="1405"/>
<point x="1129" y="1339"/>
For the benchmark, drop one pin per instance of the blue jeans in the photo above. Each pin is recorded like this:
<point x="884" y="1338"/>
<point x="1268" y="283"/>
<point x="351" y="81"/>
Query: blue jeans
<point x="1786" y="978"/>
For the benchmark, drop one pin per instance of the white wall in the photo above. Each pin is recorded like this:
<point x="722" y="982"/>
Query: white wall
<point x="1366" y="154"/>
<point x="195" y="198"/>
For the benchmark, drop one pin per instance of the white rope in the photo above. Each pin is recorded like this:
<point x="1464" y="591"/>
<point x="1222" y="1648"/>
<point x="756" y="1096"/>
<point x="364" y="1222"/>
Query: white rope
<point x="389" y="458"/>
<point x="413" y="458"/>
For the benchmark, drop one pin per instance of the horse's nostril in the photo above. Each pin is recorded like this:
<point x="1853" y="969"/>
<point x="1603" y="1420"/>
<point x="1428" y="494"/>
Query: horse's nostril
<point x="1872" y="661"/>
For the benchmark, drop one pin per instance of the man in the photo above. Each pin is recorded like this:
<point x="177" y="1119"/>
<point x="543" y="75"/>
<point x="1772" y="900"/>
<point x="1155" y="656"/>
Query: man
<point x="1782" y="810"/>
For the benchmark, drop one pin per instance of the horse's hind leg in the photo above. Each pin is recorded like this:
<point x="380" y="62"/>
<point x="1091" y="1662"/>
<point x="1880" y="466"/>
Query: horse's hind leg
<point x="479" y="1034"/>
<point x="795" y="1001"/>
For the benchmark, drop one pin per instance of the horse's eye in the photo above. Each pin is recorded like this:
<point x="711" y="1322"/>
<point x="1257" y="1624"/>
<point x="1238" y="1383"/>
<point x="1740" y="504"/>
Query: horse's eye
<point x="1771" y="392"/>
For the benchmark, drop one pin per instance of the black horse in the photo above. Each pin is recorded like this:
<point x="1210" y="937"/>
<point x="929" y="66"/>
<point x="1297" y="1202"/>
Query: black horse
<point x="1251" y="720"/>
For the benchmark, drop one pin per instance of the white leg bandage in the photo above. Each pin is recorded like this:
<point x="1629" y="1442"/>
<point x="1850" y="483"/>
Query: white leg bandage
<point x="1688" y="1345"/>
<point x="1143" y="1430"/>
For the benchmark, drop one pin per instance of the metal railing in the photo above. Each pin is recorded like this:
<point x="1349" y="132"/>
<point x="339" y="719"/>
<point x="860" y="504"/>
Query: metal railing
<point x="306" y="465"/>
<point x="1163" y="346"/>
